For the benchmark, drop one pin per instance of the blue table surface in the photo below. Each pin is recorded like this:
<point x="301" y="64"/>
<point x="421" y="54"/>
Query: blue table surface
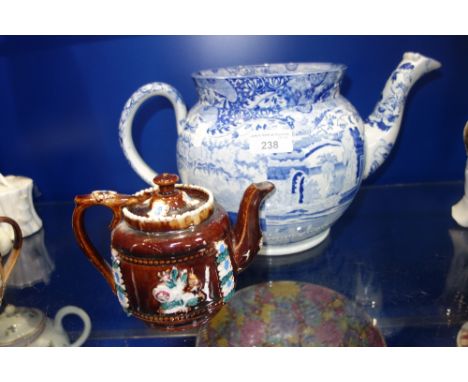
<point x="396" y="252"/>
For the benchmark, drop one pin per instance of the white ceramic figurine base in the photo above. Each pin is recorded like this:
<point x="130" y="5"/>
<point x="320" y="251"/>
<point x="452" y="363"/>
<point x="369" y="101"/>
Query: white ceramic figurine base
<point x="460" y="209"/>
<point x="16" y="202"/>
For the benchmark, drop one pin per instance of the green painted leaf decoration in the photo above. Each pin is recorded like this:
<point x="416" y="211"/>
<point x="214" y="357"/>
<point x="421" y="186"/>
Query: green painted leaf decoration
<point x="184" y="277"/>
<point x="223" y="255"/>
<point x="229" y="296"/>
<point x="226" y="278"/>
<point x="193" y="301"/>
<point x="174" y="274"/>
<point x="172" y="304"/>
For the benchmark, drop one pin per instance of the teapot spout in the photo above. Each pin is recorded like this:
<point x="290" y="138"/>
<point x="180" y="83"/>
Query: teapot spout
<point x="247" y="232"/>
<point x="383" y="125"/>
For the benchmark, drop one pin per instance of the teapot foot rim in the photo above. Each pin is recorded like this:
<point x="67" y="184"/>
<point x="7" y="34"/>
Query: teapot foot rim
<point x="293" y="248"/>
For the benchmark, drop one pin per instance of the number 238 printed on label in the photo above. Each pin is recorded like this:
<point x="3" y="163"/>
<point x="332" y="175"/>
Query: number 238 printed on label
<point x="271" y="142"/>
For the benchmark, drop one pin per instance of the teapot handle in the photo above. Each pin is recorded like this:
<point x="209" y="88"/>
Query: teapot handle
<point x="126" y="120"/>
<point x="109" y="199"/>
<point x="17" y="243"/>
<point x="70" y="309"/>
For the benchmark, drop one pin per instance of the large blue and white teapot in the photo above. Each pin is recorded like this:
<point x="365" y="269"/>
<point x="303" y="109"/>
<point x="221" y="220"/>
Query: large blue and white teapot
<point x="286" y="123"/>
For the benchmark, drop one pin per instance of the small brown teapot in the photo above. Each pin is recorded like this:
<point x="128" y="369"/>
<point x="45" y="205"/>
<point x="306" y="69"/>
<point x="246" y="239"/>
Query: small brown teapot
<point x="175" y="257"/>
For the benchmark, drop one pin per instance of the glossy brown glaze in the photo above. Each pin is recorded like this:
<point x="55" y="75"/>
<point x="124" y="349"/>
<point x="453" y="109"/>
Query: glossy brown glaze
<point x="142" y="279"/>
<point x="5" y="270"/>
<point x="174" y="279"/>
<point x="109" y="199"/>
<point x="137" y="243"/>
<point x="176" y="207"/>
<point x="166" y="183"/>
<point x="247" y="234"/>
<point x="168" y="194"/>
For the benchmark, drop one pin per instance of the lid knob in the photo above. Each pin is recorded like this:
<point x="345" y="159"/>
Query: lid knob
<point x="166" y="183"/>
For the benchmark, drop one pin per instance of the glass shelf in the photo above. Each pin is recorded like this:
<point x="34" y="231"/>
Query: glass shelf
<point x="396" y="252"/>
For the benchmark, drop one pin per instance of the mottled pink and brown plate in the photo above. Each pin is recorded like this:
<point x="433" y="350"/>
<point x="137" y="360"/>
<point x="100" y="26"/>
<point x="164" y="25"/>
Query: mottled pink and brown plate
<point x="462" y="336"/>
<point x="286" y="313"/>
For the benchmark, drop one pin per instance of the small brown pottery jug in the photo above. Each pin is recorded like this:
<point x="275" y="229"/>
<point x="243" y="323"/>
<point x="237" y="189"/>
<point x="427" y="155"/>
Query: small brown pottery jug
<point x="175" y="257"/>
<point x="5" y="270"/>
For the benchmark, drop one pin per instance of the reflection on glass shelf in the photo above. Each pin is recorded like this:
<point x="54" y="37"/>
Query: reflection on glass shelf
<point x="34" y="265"/>
<point x="368" y="294"/>
<point x="455" y="294"/>
<point x="396" y="253"/>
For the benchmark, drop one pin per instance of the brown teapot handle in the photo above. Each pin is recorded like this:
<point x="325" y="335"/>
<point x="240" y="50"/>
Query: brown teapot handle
<point x="17" y="243"/>
<point x="109" y="199"/>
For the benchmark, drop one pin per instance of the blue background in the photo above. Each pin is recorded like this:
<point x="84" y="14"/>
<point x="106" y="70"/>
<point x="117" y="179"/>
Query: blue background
<point x="61" y="99"/>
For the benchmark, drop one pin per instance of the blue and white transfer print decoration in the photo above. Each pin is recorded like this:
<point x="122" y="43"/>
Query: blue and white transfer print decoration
<point x="225" y="270"/>
<point x="286" y="123"/>
<point x="120" y="289"/>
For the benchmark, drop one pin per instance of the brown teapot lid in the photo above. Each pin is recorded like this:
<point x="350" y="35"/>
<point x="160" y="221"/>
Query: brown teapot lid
<point x="169" y="206"/>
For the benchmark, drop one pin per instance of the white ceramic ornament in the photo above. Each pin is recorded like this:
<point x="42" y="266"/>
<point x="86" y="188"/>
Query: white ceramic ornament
<point x="16" y="202"/>
<point x="22" y="326"/>
<point x="460" y="210"/>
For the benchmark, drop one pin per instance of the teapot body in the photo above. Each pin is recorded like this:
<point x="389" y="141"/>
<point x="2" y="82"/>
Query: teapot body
<point x="51" y="336"/>
<point x="285" y="123"/>
<point x="25" y="326"/>
<point x="174" y="280"/>
<point x="295" y="131"/>
<point x="175" y="256"/>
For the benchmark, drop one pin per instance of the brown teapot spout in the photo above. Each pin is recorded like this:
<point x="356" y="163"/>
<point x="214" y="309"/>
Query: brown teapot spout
<point x="247" y="233"/>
